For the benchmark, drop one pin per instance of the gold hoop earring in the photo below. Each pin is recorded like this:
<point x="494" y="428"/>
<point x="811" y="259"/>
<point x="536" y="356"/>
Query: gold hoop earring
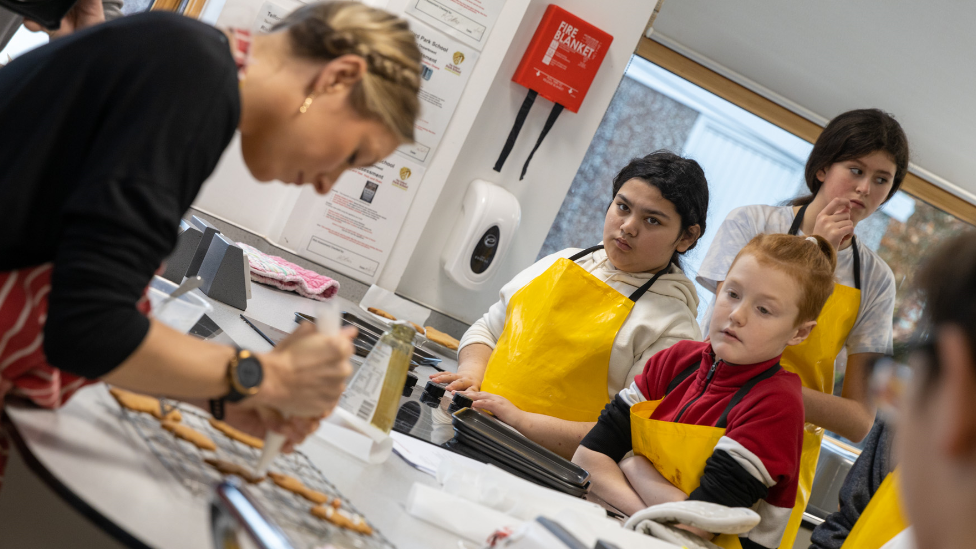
<point x="305" y="105"/>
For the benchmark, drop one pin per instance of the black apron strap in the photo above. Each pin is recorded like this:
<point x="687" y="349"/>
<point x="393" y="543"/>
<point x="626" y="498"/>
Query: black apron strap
<point x="798" y="220"/>
<point x="685" y="374"/>
<point x="516" y="128"/>
<point x="639" y="293"/>
<point x="795" y="228"/>
<point x="557" y="109"/>
<point x="586" y="252"/>
<point x="743" y="391"/>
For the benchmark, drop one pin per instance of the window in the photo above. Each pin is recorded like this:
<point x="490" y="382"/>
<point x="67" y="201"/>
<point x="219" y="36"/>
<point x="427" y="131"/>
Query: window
<point x="747" y="160"/>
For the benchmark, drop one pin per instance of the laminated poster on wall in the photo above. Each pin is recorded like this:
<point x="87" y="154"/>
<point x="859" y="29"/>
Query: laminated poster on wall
<point x="447" y="65"/>
<point x="261" y="15"/>
<point x="470" y="21"/>
<point x="353" y="228"/>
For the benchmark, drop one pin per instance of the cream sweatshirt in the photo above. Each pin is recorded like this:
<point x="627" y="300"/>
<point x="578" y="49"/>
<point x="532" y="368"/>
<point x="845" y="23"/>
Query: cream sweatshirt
<point x="665" y="314"/>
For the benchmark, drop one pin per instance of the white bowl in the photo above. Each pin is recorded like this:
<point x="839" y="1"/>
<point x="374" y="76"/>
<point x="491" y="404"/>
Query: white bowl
<point x="181" y="313"/>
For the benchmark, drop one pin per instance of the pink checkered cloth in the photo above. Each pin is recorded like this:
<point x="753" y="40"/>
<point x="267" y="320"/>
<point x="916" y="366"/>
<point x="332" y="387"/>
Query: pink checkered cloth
<point x="278" y="272"/>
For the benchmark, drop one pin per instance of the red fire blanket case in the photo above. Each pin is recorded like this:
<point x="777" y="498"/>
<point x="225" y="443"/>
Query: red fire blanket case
<point x="560" y="64"/>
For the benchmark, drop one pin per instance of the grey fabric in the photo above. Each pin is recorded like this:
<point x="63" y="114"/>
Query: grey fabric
<point x="112" y="9"/>
<point x="863" y="480"/>
<point x="9" y="23"/>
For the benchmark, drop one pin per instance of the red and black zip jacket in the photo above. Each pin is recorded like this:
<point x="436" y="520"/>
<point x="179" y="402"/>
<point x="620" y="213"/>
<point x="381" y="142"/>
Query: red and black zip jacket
<point x="756" y="463"/>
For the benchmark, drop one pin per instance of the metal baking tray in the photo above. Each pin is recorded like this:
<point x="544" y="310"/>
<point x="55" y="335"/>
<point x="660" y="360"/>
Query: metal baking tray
<point x="370" y="334"/>
<point x="274" y="336"/>
<point x="479" y="449"/>
<point x="468" y="421"/>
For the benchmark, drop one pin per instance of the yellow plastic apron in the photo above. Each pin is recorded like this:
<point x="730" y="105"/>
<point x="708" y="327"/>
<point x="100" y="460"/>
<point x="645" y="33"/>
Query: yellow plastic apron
<point x="813" y="360"/>
<point x="881" y="520"/>
<point x="678" y="450"/>
<point x="554" y="353"/>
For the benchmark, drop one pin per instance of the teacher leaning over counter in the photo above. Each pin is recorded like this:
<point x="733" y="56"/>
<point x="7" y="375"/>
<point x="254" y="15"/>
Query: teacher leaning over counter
<point x="106" y="136"/>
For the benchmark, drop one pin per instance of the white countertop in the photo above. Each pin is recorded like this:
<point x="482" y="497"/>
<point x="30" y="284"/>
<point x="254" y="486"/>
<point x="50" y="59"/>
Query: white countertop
<point x="101" y="458"/>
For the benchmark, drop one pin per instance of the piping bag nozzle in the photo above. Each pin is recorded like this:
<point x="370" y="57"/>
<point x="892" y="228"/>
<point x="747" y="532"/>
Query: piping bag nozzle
<point x="328" y="321"/>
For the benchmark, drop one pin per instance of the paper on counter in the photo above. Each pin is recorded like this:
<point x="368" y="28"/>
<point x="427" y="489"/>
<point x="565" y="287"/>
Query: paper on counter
<point x="457" y="515"/>
<point x="380" y="298"/>
<point x="507" y="493"/>
<point x="424" y="456"/>
<point x="355" y="437"/>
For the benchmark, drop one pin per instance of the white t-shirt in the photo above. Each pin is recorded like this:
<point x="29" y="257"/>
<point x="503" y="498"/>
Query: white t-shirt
<point x="872" y="328"/>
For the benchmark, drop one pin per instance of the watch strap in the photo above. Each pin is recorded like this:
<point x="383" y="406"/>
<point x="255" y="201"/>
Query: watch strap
<point x="217" y="408"/>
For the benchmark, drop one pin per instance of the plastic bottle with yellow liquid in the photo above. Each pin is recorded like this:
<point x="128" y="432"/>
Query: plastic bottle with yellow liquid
<point x="373" y="394"/>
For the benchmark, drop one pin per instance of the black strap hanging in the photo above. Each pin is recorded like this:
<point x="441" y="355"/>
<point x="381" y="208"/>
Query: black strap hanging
<point x="557" y="109"/>
<point x="637" y="293"/>
<point x="523" y="113"/>
<point x="795" y="228"/>
<point x="736" y="398"/>
<point x="513" y="135"/>
<point x="685" y="374"/>
<point x="743" y="391"/>
<point x="580" y="255"/>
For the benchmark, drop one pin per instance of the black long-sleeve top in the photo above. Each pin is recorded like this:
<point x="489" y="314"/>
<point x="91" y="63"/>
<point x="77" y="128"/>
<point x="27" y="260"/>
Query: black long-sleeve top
<point x="105" y="139"/>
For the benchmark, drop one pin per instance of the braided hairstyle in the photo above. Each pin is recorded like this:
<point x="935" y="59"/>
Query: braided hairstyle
<point x="388" y="90"/>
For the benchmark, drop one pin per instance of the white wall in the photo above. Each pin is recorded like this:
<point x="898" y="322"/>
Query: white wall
<point x="470" y="146"/>
<point x="552" y="169"/>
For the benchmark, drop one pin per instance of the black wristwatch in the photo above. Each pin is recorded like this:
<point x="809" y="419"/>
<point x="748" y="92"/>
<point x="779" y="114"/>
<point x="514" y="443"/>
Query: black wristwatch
<point x="244" y="374"/>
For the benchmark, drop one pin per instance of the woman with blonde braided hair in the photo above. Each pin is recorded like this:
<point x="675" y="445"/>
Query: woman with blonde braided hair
<point x="108" y="134"/>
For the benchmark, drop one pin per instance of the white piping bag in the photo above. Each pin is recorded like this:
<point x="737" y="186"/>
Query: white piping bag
<point x="328" y="321"/>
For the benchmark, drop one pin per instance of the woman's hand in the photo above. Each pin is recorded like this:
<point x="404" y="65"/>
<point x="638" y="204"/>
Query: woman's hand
<point x="306" y="373"/>
<point x="258" y="420"/>
<point x="834" y="222"/>
<point x="501" y="407"/>
<point x="84" y="14"/>
<point x="457" y="382"/>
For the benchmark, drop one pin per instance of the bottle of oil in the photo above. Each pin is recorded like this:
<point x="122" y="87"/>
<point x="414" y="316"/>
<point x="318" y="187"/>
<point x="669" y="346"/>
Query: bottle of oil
<point x="373" y="394"/>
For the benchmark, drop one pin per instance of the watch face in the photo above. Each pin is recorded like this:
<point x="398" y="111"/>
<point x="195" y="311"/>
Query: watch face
<point x="249" y="373"/>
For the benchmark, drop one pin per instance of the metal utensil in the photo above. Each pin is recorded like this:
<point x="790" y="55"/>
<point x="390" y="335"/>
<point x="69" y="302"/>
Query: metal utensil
<point x="188" y="285"/>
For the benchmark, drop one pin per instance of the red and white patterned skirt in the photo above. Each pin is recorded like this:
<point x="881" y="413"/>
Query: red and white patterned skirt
<point x="24" y="371"/>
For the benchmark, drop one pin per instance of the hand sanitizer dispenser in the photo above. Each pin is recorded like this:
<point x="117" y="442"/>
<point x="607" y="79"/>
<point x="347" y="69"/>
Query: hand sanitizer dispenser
<point x="482" y="235"/>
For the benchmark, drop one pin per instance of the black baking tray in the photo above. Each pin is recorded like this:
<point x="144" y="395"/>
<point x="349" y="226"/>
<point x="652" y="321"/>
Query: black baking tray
<point x="488" y="429"/>
<point x="458" y="447"/>
<point x="362" y="345"/>
<point x="485" y="451"/>
<point x="529" y="470"/>
<point x="370" y="333"/>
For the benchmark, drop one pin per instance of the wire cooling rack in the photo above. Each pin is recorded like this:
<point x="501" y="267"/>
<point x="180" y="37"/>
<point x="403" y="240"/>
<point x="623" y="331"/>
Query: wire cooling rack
<point x="290" y="511"/>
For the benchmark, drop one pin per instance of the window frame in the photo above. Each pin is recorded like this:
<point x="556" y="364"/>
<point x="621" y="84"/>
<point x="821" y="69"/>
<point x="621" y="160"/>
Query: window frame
<point x="786" y="119"/>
